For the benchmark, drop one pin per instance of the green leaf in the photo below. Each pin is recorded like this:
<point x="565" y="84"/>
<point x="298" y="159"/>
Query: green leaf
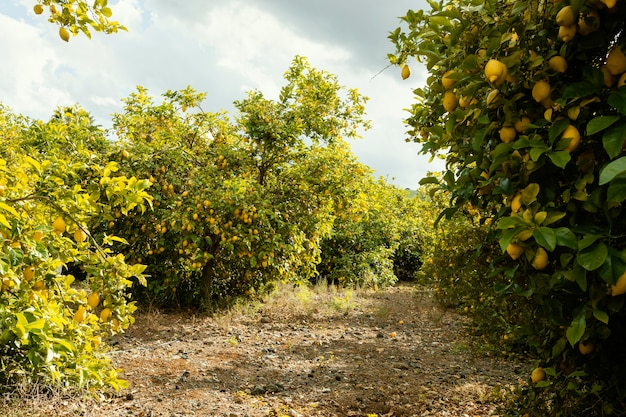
<point x="565" y="237"/>
<point x="616" y="192"/>
<point x="576" y="330"/>
<point x="612" y="170"/>
<point x="593" y="257"/>
<point x="545" y="237"/>
<point x="600" y="123"/>
<point x="601" y="316"/>
<point x="530" y="193"/>
<point x="613" y="140"/>
<point x="617" y="100"/>
<point x="560" y="158"/>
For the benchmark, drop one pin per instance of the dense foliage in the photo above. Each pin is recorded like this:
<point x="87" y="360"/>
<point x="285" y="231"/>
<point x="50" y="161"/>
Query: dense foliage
<point x="526" y="100"/>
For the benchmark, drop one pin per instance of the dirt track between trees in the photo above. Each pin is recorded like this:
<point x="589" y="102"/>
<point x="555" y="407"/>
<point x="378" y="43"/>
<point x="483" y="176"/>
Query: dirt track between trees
<point x="389" y="353"/>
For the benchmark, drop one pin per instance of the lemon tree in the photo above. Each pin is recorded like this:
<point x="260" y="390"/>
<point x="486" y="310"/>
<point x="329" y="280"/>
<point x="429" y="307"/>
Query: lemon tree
<point x="54" y="180"/>
<point x="238" y="204"/>
<point x="525" y="102"/>
<point x="78" y="16"/>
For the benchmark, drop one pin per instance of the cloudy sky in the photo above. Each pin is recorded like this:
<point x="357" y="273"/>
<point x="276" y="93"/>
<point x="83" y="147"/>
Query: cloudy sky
<point x="224" y="48"/>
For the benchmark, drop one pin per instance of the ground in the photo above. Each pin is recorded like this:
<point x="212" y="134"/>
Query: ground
<point x="305" y="353"/>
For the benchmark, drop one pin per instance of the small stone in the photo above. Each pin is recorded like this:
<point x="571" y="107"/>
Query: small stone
<point x="129" y="396"/>
<point x="274" y="388"/>
<point x="380" y="335"/>
<point x="265" y="319"/>
<point x="258" y="390"/>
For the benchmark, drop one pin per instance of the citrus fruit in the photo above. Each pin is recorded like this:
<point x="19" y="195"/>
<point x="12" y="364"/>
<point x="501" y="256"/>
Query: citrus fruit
<point x="406" y="72"/>
<point x="558" y="63"/>
<point x="59" y="225"/>
<point x="541" y="260"/>
<point x="507" y="134"/>
<point x="620" y="286"/>
<point x="589" y="23"/>
<point x="450" y="101"/>
<point x="537" y="375"/>
<point x="616" y="61"/>
<point x="105" y="314"/>
<point x="566" y="16"/>
<point x="80" y="315"/>
<point x="64" y="34"/>
<point x="38" y="236"/>
<point x="585" y="347"/>
<point x="522" y="124"/>
<point x="446" y="81"/>
<point x="495" y="71"/>
<point x="93" y="300"/>
<point x="29" y="273"/>
<point x="80" y="235"/>
<point x="38" y="9"/>
<point x="541" y="91"/>
<point x="571" y="133"/>
<point x="516" y="203"/>
<point x="567" y="33"/>
<point x="515" y="250"/>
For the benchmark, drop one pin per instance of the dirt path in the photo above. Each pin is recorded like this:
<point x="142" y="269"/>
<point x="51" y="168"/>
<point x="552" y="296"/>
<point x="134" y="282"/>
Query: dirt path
<point x="392" y="353"/>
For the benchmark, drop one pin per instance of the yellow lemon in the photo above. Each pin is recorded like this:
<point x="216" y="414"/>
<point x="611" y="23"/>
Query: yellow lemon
<point x="446" y="81"/>
<point x="93" y="300"/>
<point x="608" y="78"/>
<point x="585" y="347"/>
<point x="573" y="135"/>
<point x="39" y="285"/>
<point x="495" y="71"/>
<point x="620" y="286"/>
<point x="450" y="101"/>
<point x="567" y="33"/>
<point x="64" y="34"/>
<point x="29" y="273"/>
<point x="609" y="3"/>
<point x="38" y="9"/>
<point x="80" y="315"/>
<point x="507" y="134"/>
<point x="80" y="236"/>
<point x="105" y="314"/>
<point x="540" y="261"/>
<point x="59" y="225"/>
<point x="38" y="236"/>
<point x="537" y="375"/>
<point x="516" y="203"/>
<point x="616" y="61"/>
<point x="406" y="72"/>
<point x="541" y="91"/>
<point x="558" y="63"/>
<point x="515" y="250"/>
<point x="521" y="125"/>
<point x="566" y="16"/>
<point x="622" y="80"/>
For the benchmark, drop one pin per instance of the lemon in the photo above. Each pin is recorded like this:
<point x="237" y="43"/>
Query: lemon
<point x="571" y="133"/>
<point x="64" y="34"/>
<point x="516" y="203"/>
<point x="585" y="347"/>
<point x="622" y="80"/>
<point x="38" y="9"/>
<point x="80" y="236"/>
<point x="616" y="61"/>
<point x="105" y="314"/>
<point x="515" y="250"/>
<point x="29" y="273"/>
<point x="450" y="101"/>
<point x="93" y="300"/>
<point x="446" y="81"/>
<point x="38" y="236"/>
<point x="507" y="134"/>
<point x="521" y="125"/>
<point x="566" y="16"/>
<point x="609" y="3"/>
<point x="620" y="286"/>
<point x="59" y="225"/>
<point x="567" y="33"/>
<point x="540" y="261"/>
<point x="558" y="63"/>
<point x="406" y="72"/>
<point x="39" y="285"/>
<point x="537" y="375"/>
<point x="495" y="71"/>
<point x="541" y="91"/>
<point x="80" y="315"/>
<point x="609" y="79"/>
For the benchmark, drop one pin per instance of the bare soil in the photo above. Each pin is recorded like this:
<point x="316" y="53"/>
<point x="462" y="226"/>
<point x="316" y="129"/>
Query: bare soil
<point x="389" y="353"/>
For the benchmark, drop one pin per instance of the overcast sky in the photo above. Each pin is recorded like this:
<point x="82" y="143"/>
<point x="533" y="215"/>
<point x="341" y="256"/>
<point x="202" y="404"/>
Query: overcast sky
<point x="224" y="48"/>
